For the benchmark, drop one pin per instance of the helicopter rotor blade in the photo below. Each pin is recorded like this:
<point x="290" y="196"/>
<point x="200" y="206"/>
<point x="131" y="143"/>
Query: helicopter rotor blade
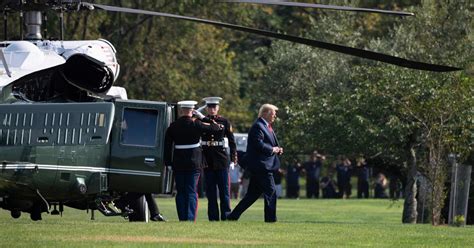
<point x="321" y="6"/>
<point x="314" y="43"/>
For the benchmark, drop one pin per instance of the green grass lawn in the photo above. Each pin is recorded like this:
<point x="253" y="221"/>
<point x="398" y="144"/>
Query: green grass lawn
<point x="312" y="223"/>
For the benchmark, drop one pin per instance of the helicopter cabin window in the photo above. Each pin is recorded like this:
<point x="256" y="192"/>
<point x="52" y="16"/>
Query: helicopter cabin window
<point x="139" y="127"/>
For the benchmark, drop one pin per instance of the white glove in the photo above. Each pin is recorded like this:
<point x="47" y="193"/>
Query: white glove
<point x="232" y="165"/>
<point x="198" y="114"/>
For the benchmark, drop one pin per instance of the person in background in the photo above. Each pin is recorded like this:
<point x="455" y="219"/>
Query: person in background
<point x="261" y="160"/>
<point x="395" y="186"/>
<point x="234" y="174"/>
<point x="313" y="171"/>
<point x="244" y="175"/>
<point x="245" y="180"/>
<point x="216" y="173"/>
<point x="293" y="180"/>
<point x="277" y="175"/>
<point x="381" y="185"/>
<point x="183" y="153"/>
<point x="344" y="170"/>
<point x="362" y="178"/>
<point x="328" y="186"/>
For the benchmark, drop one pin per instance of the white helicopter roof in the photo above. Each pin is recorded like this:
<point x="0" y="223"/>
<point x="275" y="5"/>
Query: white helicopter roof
<point x="118" y="92"/>
<point x="23" y="58"/>
<point x="26" y="57"/>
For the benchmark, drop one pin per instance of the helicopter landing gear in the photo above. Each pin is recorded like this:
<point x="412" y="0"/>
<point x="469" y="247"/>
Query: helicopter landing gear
<point x="110" y="208"/>
<point x="55" y="211"/>
<point x="35" y="213"/>
<point x="15" y="214"/>
<point x="140" y="209"/>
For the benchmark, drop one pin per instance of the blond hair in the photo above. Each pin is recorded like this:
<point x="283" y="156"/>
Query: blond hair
<point x="265" y="108"/>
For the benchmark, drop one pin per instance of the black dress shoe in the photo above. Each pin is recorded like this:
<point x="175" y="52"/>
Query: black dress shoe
<point x="158" y="217"/>
<point x="230" y="217"/>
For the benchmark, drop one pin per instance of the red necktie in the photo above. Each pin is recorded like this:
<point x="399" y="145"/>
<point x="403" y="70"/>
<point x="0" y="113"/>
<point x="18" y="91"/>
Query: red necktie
<point x="270" y="127"/>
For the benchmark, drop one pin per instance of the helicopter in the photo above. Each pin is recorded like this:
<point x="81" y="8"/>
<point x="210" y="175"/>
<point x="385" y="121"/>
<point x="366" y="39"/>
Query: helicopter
<point x="69" y="137"/>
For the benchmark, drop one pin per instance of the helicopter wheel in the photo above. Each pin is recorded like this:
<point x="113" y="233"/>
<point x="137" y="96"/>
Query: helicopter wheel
<point x="35" y="216"/>
<point x="15" y="214"/>
<point x="140" y="209"/>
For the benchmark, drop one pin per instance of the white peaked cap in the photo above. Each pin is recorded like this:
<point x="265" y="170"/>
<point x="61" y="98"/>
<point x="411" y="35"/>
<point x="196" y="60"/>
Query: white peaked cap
<point x="187" y="104"/>
<point x="212" y="99"/>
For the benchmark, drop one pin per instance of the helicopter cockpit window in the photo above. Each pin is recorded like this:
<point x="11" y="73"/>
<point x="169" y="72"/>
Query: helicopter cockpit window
<point x="139" y="127"/>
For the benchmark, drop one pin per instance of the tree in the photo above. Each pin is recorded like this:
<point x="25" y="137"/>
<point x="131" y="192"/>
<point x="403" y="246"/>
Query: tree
<point x="352" y="106"/>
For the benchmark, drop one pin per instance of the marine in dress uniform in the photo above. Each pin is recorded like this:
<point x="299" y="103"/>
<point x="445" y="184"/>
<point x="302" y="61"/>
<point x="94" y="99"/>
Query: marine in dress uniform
<point x="215" y="148"/>
<point x="184" y="153"/>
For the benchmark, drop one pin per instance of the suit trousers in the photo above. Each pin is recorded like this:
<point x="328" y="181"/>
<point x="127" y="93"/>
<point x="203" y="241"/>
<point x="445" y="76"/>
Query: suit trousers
<point x="259" y="183"/>
<point x="187" y="197"/>
<point x="362" y="188"/>
<point x="152" y="206"/>
<point x="217" y="179"/>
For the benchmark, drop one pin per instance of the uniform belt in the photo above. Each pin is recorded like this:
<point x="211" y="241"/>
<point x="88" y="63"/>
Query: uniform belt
<point x="187" y="146"/>
<point x="212" y="143"/>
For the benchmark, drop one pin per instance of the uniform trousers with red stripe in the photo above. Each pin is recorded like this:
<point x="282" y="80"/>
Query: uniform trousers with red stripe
<point x="217" y="183"/>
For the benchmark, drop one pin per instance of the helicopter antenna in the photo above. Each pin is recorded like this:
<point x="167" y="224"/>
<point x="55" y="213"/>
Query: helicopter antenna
<point x="45" y="30"/>
<point x="21" y="20"/>
<point x="61" y="24"/>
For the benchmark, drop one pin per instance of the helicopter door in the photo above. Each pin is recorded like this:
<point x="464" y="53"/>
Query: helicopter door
<point x="136" y="163"/>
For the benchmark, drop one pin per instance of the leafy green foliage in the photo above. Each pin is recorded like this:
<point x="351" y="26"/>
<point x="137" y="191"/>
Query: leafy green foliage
<point x="343" y="105"/>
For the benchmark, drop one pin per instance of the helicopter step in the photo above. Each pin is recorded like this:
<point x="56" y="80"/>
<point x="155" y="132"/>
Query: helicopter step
<point x="107" y="209"/>
<point x="131" y="206"/>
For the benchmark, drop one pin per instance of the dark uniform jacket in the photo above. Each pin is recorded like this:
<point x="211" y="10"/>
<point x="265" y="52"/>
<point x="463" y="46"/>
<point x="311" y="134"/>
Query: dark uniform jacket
<point x="216" y="156"/>
<point x="185" y="131"/>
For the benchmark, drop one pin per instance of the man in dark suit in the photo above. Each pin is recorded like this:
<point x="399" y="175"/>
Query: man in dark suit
<point x="261" y="160"/>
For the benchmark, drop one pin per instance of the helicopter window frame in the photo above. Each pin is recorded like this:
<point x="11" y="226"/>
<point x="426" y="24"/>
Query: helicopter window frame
<point x="132" y="119"/>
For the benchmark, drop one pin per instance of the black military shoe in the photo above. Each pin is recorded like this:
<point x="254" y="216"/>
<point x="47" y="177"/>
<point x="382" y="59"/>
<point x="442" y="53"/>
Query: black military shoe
<point x="158" y="217"/>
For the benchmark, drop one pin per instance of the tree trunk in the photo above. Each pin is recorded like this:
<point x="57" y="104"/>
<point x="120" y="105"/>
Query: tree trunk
<point x="409" y="207"/>
<point x="437" y="175"/>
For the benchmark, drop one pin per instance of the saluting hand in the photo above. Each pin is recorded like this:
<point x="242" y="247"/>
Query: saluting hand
<point x="198" y="114"/>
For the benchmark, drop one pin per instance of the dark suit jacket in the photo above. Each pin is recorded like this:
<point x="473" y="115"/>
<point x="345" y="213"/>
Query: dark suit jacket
<point x="260" y="157"/>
